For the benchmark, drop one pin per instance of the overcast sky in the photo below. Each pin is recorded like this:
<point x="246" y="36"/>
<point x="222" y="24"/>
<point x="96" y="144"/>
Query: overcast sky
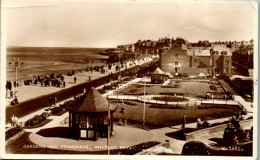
<point x="107" y="24"/>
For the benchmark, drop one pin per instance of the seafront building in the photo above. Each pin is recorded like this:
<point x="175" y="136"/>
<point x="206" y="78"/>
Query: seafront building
<point x="213" y="60"/>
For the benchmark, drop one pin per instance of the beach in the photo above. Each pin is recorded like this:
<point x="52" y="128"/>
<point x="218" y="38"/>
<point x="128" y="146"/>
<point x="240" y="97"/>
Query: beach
<point x="34" y="63"/>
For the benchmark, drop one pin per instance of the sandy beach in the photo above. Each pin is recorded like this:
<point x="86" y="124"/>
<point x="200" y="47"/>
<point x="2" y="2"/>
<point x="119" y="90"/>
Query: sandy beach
<point x="26" y="92"/>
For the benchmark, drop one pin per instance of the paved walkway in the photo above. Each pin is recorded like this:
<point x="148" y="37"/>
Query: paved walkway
<point x="191" y="102"/>
<point x="27" y="92"/>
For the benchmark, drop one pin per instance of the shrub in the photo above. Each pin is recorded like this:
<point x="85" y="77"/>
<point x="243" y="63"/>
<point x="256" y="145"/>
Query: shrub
<point x="213" y="87"/>
<point x="171" y="99"/>
<point x="109" y="87"/>
<point x="165" y="106"/>
<point x="56" y="110"/>
<point x="11" y="132"/>
<point x="139" y="147"/>
<point x="36" y="120"/>
<point x="101" y="91"/>
<point x="176" y="86"/>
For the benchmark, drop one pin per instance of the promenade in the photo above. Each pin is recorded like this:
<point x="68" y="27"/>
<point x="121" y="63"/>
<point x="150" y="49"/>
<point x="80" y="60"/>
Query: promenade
<point x="39" y="99"/>
<point x="27" y="92"/>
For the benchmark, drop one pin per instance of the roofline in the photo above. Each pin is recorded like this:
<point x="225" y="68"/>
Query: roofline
<point x="177" y="45"/>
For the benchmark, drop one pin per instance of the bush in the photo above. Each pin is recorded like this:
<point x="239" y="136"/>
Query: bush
<point x="109" y="87"/>
<point x="165" y="106"/>
<point x="56" y="110"/>
<point x="171" y="99"/>
<point x="36" y="120"/>
<point x="101" y="91"/>
<point x="139" y="147"/>
<point x="176" y="86"/>
<point x="213" y="87"/>
<point x="11" y="132"/>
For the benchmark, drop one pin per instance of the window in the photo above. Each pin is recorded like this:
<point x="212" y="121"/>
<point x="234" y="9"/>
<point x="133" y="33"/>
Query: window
<point x="176" y="63"/>
<point x="177" y="55"/>
<point x="224" y="52"/>
<point x="226" y="61"/>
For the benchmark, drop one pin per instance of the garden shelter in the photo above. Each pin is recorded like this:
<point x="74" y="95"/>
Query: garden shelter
<point x="158" y="76"/>
<point x="88" y="117"/>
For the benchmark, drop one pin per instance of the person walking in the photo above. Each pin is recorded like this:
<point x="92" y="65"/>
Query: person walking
<point x="183" y="122"/>
<point x="55" y="101"/>
<point x="75" y="79"/>
<point x="50" y="101"/>
<point x="11" y="94"/>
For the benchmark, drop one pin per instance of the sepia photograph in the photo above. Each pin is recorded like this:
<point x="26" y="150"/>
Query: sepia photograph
<point x="129" y="79"/>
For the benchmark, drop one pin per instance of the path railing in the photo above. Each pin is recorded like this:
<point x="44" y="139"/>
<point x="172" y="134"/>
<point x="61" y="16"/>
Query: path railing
<point x="186" y="103"/>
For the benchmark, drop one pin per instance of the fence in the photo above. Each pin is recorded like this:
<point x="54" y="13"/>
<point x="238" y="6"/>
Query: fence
<point x="188" y="103"/>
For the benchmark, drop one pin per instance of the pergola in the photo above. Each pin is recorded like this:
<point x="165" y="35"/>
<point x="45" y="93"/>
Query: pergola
<point x="158" y="76"/>
<point x="88" y="118"/>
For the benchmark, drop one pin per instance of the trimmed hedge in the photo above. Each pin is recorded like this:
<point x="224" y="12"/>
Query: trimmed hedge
<point x="213" y="87"/>
<point x="36" y="120"/>
<point x="11" y="132"/>
<point x="171" y="99"/>
<point x="139" y="147"/>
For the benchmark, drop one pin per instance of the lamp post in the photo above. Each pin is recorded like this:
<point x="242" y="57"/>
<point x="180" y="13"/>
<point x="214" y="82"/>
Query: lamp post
<point x="16" y="68"/>
<point x="144" y="103"/>
<point x="108" y="128"/>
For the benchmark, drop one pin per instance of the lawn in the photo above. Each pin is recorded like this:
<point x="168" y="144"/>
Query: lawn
<point x="186" y="88"/>
<point x="162" y="117"/>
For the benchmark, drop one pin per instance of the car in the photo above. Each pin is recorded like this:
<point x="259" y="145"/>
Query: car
<point x="235" y="135"/>
<point x="195" y="148"/>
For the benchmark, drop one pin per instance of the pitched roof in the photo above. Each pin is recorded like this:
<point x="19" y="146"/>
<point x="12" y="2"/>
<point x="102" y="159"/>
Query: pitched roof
<point x="198" y="51"/>
<point x="91" y="102"/>
<point x="168" y="74"/>
<point x="222" y="48"/>
<point x="158" y="71"/>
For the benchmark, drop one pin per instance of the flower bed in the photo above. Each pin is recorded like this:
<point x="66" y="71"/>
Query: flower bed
<point x="213" y="87"/>
<point x="55" y="110"/>
<point x="165" y="106"/>
<point x="176" y="86"/>
<point x="36" y="120"/>
<point x="101" y="91"/>
<point x="139" y="147"/>
<point x="171" y="99"/>
<point x="11" y="132"/>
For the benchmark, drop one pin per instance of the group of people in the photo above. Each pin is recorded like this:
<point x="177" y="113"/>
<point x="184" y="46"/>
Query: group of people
<point x="14" y="121"/>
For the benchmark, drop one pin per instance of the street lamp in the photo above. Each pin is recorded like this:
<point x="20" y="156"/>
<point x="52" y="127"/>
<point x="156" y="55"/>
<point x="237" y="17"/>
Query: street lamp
<point x="144" y="102"/>
<point x="16" y="68"/>
<point x="108" y="128"/>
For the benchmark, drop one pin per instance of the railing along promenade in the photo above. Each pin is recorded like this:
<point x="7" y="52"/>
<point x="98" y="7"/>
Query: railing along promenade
<point x="32" y="105"/>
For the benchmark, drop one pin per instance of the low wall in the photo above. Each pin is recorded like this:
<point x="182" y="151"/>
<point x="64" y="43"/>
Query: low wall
<point x="202" y="132"/>
<point x="24" y="108"/>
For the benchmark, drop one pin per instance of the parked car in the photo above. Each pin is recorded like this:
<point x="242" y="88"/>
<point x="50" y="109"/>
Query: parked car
<point x="235" y="135"/>
<point x="195" y="148"/>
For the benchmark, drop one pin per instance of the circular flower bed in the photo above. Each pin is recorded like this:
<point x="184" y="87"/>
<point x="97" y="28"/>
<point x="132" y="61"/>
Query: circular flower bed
<point x="171" y="99"/>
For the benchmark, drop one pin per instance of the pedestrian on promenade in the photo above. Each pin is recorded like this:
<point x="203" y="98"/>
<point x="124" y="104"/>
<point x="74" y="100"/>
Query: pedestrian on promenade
<point x="75" y="79"/>
<point x="64" y="84"/>
<point x="183" y="122"/>
<point x="50" y="101"/>
<point x="11" y="94"/>
<point x="55" y="101"/>
<point x="233" y="119"/>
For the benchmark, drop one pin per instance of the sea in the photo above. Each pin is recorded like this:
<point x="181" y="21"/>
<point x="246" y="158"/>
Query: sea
<point x="34" y="61"/>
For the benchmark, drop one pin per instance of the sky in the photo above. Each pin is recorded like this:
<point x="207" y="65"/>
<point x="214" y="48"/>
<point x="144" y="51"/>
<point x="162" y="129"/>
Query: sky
<point x="108" y="24"/>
